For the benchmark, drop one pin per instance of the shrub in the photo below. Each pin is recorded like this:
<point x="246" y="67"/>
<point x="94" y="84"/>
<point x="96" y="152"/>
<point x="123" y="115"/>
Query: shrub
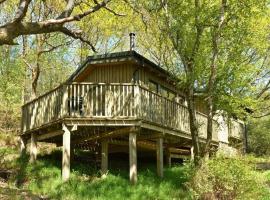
<point x="227" y="178"/>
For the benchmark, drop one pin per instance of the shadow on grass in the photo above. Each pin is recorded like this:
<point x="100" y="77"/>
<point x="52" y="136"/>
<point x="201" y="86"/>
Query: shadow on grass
<point x="86" y="183"/>
<point x="21" y="163"/>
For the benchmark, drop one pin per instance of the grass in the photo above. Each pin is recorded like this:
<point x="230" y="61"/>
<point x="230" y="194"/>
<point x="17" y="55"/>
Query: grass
<point x="44" y="178"/>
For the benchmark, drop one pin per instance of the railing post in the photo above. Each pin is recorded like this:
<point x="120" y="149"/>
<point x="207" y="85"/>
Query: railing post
<point x="137" y="102"/>
<point x="64" y="107"/>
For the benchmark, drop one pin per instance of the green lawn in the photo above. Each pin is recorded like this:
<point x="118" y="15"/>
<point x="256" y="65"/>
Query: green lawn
<point x="44" y="178"/>
<point x="235" y="177"/>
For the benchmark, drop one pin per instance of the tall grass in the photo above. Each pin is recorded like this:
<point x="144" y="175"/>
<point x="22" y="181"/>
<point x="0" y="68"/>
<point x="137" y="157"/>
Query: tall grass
<point x="44" y="178"/>
<point x="219" y="178"/>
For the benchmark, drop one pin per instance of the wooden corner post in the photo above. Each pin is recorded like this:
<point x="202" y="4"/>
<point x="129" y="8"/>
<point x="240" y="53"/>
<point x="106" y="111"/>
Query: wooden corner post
<point x="33" y="148"/>
<point x="133" y="157"/>
<point x="66" y="154"/>
<point x="160" y="157"/>
<point x="104" y="157"/>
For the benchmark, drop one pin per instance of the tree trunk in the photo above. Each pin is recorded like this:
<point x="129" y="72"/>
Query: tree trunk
<point x="36" y="69"/>
<point x="213" y="76"/>
<point x="192" y="115"/>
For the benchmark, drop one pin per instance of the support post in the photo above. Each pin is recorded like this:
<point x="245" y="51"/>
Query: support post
<point x="104" y="157"/>
<point x="132" y="157"/>
<point x="160" y="157"/>
<point x="23" y="143"/>
<point x="169" y="159"/>
<point x="66" y="154"/>
<point x="33" y="148"/>
<point x="192" y="153"/>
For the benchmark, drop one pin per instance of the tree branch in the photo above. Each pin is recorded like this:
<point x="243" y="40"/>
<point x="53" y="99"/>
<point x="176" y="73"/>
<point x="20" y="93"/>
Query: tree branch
<point x="113" y="12"/>
<point x="28" y="64"/>
<point x="2" y="1"/>
<point x="22" y="10"/>
<point x="110" y="10"/>
<point x="10" y="31"/>
<point x="52" y="48"/>
<point x="77" y="17"/>
<point x="68" y="10"/>
<point x="265" y="88"/>
<point x="77" y="35"/>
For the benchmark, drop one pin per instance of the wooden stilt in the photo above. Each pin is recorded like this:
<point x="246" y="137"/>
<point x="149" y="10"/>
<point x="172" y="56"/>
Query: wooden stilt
<point x="66" y="154"/>
<point x="192" y="153"/>
<point x="169" y="159"/>
<point x="160" y="157"/>
<point x="132" y="158"/>
<point x="33" y="148"/>
<point x="23" y="143"/>
<point x="104" y="157"/>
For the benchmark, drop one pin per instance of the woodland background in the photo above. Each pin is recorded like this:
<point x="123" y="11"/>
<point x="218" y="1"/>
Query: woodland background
<point x="219" y="50"/>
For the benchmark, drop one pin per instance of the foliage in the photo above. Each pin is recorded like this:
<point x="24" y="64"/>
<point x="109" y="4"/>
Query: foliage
<point x="258" y="136"/>
<point x="229" y="178"/>
<point x="11" y="79"/>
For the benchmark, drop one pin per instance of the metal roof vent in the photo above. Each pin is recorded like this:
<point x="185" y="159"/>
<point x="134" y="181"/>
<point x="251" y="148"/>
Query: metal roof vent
<point x="132" y="41"/>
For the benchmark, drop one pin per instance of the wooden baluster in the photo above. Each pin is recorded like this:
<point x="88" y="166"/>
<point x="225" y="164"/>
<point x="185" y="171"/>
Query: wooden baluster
<point x="96" y="101"/>
<point x="78" y="100"/>
<point x="87" y="101"/>
<point x="103" y="100"/>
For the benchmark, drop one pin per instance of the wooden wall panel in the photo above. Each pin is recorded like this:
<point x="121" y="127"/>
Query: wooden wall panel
<point x="145" y="75"/>
<point x="121" y="73"/>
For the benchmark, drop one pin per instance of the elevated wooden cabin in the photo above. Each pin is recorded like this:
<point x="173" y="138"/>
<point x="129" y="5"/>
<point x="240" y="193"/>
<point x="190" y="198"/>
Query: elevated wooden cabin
<point x="114" y="102"/>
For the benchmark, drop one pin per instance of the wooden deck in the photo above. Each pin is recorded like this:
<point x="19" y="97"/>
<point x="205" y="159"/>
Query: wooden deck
<point x="97" y="115"/>
<point x="114" y="104"/>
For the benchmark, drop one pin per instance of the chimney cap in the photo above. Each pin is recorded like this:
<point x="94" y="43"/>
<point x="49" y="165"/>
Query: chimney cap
<point x="132" y="34"/>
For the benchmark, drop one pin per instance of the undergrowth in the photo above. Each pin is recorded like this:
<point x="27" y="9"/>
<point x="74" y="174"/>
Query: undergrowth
<point x="217" y="179"/>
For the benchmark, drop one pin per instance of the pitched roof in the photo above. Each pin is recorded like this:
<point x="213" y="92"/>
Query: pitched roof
<point x="124" y="55"/>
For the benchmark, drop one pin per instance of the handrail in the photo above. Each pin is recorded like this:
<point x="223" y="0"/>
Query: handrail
<point x="109" y="100"/>
<point x="40" y="96"/>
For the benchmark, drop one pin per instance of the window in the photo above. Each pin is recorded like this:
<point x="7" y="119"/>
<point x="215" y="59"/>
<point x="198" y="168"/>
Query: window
<point x="165" y="92"/>
<point x="153" y="86"/>
<point x="136" y="76"/>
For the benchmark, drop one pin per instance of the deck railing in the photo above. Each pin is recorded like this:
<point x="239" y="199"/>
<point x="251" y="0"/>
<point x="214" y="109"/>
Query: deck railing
<point x="113" y="101"/>
<point x="236" y="129"/>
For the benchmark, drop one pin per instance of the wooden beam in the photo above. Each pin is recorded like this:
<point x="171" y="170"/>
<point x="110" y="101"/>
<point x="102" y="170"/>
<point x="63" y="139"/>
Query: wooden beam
<point x="160" y="157"/>
<point x="49" y="135"/>
<point x="179" y="156"/>
<point x="132" y="158"/>
<point x="150" y="136"/>
<point x="66" y="154"/>
<point x="104" y="157"/>
<point x="142" y="144"/>
<point x="103" y="121"/>
<point x="33" y="148"/>
<point x="178" y="151"/>
<point x="117" y="132"/>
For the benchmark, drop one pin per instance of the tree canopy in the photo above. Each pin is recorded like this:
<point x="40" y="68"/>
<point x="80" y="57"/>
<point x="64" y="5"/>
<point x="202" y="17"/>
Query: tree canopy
<point x="219" y="49"/>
